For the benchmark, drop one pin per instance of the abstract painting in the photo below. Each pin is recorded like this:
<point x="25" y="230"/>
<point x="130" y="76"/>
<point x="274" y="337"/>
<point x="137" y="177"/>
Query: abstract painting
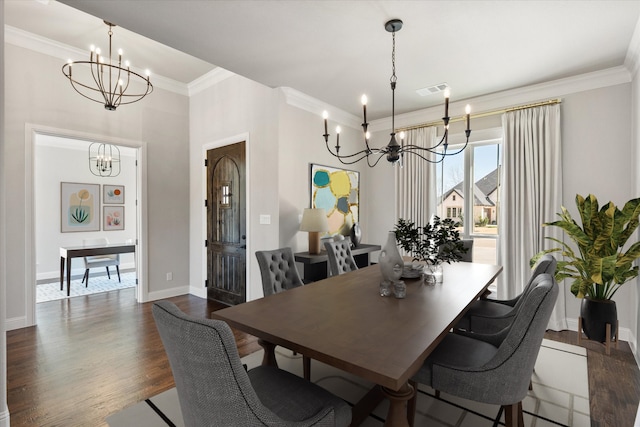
<point x="79" y="207"/>
<point x="337" y="191"/>
<point x="112" y="194"/>
<point x="113" y="218"/>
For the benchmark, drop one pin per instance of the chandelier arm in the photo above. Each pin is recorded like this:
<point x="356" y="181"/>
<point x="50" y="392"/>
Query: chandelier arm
<point x="346" y="156"/>
<point x="376" y="162"/>
<point x="426" y="159"/>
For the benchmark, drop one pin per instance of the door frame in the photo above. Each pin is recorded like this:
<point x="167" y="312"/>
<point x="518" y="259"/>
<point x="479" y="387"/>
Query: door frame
<point x="199" y="289"/>
<point x="31" y="131"/>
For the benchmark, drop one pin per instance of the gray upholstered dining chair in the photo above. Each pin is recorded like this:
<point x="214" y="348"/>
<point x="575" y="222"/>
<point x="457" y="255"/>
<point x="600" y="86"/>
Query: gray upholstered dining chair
<point x="99" y="261"/>
<point x="279" y="273"/>
<point x="278" y="270"/>
<point x="214" y="389"/>
<point x="493" y="368"/>
<point x="489" y="315"/>
<point x="340" y="257"/>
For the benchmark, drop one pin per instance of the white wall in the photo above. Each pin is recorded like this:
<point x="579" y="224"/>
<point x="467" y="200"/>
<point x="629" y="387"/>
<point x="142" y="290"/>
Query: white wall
<point x="36" y="94"/>
<point x="61" y="160"/>
<point x="4" y="410"/>
<point x="236" y="109"/>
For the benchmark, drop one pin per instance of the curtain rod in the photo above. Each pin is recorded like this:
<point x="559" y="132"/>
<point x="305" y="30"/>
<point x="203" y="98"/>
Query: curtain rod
<point x="479" y="115"/>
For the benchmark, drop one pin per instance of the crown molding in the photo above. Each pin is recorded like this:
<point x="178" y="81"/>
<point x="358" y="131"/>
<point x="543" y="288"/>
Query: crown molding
<point x="205" y="81"/>
<point x="308" y="103"/>
<point x="513" y="97"/>
<point x="36" y="43"/>
<point x="632" y="60"/>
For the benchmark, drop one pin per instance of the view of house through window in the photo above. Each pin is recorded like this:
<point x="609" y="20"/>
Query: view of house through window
<point x="468" y="189"/>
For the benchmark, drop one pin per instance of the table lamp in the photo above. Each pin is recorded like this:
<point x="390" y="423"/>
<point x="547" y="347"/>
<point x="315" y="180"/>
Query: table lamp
<point x="314" y="221"/>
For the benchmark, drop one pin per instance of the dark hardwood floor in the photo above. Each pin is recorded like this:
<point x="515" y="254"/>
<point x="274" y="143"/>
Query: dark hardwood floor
<point x="92" y="356"/>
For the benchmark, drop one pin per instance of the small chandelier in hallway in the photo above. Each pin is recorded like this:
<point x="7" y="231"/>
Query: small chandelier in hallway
<point x="104" y="159"/>
<point x="105" y="80"/>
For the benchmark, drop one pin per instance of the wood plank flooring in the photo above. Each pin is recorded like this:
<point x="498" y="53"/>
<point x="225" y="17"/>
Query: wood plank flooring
<point x="92" y="356"/>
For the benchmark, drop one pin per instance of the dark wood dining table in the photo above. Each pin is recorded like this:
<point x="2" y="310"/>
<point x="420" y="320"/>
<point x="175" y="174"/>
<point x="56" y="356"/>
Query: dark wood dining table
<point x="344" y="322"/>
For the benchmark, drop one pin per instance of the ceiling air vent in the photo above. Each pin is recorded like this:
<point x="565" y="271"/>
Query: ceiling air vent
<point x="432" y="89"/>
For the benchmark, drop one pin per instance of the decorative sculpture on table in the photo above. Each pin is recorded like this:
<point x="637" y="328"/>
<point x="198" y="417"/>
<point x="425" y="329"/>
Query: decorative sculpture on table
<point x="391" y="264"/>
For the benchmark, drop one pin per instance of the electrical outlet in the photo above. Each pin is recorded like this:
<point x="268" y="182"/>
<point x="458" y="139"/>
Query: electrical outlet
<point x="169" y="276"/>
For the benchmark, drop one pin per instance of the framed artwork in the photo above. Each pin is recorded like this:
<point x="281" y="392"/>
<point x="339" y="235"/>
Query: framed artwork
<point x="113" y="194"/>
<point x="79" y="204"/>
<point x="337" y="191"/>
<point x="113" y="218"/>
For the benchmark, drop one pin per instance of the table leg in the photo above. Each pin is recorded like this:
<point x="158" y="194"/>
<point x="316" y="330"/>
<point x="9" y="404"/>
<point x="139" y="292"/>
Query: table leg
<point x="61" y="272"/>
<point x="68" y="276"/>
<point x="269" y="357"/>
<point x="397" y="416"/>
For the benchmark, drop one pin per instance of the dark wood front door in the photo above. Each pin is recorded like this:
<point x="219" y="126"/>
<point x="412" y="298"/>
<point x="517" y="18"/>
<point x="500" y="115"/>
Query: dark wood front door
<point x="226" y="224"/>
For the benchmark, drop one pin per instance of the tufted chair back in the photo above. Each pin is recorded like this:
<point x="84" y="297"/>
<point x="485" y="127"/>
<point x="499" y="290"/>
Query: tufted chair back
<point x="340" y="257"/>
<point x="278" y="270"/>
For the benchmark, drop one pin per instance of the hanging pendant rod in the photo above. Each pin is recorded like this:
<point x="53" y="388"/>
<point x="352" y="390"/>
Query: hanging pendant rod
<point x="480" y="115"/>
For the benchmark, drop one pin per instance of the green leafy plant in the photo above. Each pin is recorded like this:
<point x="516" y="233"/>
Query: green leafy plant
<point x="600" y="266"/>
<point x="80" y="214"/>
<point x="434" y="243"/>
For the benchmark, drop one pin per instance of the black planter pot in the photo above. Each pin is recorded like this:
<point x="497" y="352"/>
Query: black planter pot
<point x="595" y="316"/>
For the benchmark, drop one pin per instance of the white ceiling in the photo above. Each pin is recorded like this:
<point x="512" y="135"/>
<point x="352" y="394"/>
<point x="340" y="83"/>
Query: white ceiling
<point x="337" y="50"/>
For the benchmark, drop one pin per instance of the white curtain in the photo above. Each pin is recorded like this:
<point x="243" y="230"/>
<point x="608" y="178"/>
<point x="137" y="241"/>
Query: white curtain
<point x="416" y="180"/>
<point x="531" y="196"/>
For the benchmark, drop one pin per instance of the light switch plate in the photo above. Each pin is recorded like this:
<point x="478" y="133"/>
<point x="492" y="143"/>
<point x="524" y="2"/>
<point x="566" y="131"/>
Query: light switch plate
<point x="265" y="219"/>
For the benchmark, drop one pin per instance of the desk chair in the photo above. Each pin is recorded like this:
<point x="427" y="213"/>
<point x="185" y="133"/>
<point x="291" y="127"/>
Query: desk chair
<point x="279" y="273"/>
<point x="340" y="257"/>
<point x="495" y="368"/>
<point x="215" y="389"/>
<point x="99" y="260"/>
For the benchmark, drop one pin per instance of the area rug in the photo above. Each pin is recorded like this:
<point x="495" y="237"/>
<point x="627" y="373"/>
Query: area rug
<point x="559" y="396"/>
<point x="99" y="283"/>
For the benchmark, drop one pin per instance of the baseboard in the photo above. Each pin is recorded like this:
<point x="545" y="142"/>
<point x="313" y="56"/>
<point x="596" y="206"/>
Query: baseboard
<point x="624" y="333"/>
<point x="199" y="292"/>
<point x="49" y="276"/>
<point x="168" y="293"/>
<point x="16" y="323"/>
<point x="4" y="417"/>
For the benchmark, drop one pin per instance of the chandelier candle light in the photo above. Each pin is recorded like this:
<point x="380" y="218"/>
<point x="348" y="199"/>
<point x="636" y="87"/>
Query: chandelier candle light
<point x="108" y="82"/>
<point x="393" y="150"/>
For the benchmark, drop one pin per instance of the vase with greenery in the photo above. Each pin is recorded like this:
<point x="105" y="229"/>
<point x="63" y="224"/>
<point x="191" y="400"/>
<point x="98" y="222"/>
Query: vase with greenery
<point x="603" y="261"/>
<point x="434" y="243"/>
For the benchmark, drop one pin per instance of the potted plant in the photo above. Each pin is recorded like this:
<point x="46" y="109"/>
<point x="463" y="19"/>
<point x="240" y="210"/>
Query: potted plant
<point x="434" y="243"/>
<point x="601" y="265"/>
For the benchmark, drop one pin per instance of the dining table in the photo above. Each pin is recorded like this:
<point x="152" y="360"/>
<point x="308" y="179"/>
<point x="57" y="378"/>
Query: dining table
<point x="343" y="321"/>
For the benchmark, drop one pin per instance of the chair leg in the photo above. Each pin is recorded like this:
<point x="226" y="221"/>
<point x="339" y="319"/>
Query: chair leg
<point x="513" y="415"/>
<point x="412" y="404"/>
<point x="118" y="271"/>
<point x="306" y="367"/>
<point x="108" y="273"/>
<point x="86" y="277"/>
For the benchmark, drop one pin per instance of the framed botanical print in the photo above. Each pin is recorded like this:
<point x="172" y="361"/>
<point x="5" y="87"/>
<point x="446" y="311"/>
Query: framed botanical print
<point x="79" y="204"/>
<point x="113" y="194"/>
<point x="113" y="218"/>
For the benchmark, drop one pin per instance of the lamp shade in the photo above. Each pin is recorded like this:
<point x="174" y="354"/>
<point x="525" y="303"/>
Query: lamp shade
<point x="314" y="220"/>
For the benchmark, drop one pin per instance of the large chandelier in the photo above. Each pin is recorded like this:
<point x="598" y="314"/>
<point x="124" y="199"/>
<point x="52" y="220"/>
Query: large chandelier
<point x="105" y="80"/>
<point x="394" y="150"/>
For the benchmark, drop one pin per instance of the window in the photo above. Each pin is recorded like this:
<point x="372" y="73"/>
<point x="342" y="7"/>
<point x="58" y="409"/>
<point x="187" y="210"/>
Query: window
<point x="476" y="172"/>
<point x="225" y="195"/>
